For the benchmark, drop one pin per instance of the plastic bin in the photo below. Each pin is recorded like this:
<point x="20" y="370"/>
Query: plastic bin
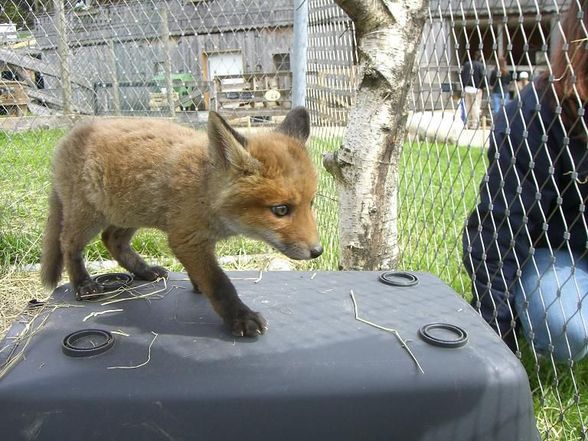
<point x="174" y="371"/>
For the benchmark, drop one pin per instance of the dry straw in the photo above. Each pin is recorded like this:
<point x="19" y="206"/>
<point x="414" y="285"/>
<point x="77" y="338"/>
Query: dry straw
<point x="19" y="344"/>
<point x="393" y="331"/>
<point x="155" y="335"/>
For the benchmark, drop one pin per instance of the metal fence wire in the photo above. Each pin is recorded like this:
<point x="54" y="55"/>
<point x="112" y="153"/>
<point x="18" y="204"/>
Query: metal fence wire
<point x="493" y="183"/>
<point x="493" y="173"/>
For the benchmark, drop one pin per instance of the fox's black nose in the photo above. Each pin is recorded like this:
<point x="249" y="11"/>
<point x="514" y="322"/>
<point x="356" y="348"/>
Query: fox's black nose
<point x="316" y="251"/>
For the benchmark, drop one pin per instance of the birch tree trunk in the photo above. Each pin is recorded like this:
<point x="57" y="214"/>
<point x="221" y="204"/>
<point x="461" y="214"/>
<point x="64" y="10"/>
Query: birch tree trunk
<point x="365" y="166"/>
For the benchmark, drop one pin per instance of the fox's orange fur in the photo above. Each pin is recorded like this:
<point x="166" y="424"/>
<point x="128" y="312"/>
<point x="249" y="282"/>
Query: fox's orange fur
<point x="116" y="176"/>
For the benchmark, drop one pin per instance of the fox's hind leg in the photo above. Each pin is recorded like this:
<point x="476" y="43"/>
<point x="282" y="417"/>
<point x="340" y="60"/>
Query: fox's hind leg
<point x="77" y="231"/>
<point x="117" y="241"/>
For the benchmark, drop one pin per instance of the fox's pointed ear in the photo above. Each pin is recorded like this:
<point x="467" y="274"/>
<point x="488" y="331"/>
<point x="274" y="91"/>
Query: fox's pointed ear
<point x="296" y="124"/>
<point x="228" y="148"/>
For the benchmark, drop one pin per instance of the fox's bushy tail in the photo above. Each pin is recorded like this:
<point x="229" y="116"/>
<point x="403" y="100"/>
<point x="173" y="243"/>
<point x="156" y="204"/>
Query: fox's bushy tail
<point x="52" y="256"/>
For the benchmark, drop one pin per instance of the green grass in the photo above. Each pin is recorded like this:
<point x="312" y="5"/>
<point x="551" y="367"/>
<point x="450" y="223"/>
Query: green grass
<point x="438" y="186"/>
<point x="438" y="189"/>
<point x="24" y="182"/>
<point x="326" y="207"/>
<point x="25" y="169"/>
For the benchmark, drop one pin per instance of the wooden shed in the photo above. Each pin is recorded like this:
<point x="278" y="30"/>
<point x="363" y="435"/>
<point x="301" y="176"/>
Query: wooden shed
<point x="134" y="49"/>
<point x="521" y="31"/>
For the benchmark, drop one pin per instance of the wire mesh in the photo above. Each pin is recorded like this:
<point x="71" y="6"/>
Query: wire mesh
<point x="159" y="57"/>
<point x="330" y="89"/>
<point x="486" y="153"/>
<point x="63" y="60"/>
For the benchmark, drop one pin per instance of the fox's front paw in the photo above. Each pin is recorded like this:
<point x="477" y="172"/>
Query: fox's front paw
<point x="248" y="323"/>
<point x="88" y="289"/>
<point x="152" y="273"/>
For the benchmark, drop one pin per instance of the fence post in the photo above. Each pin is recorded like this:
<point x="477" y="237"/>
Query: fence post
<point x="300" y="45"/>
<point x="365" y="166"/>
<point x="167" y="65"/>
<point x="63" y="53"/>
<point x="114" y="77"/>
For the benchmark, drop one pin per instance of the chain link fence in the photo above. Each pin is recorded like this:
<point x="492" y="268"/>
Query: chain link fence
<point x="330" y="88"/>
<point x="482" y="150"/>
<point x="497" y="144"/>
<point x="152" y="57"/>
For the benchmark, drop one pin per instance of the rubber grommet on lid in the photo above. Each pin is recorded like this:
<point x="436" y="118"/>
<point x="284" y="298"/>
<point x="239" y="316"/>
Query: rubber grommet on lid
<point x="429" y="334"/>
<point x="113" y="281"/>
<point x="398" y="278"/>
<point x="87" y="342"/>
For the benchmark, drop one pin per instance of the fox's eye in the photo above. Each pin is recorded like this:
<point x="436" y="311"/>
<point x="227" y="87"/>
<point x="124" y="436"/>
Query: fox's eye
<point x="280" y="210"/>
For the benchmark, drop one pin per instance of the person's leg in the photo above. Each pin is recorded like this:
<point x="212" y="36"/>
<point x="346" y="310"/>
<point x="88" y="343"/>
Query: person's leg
<point x="468" y="101"/>
<point x="476" y="109"/>
<point x="499" y="101"/>
<point x="551" y="300"/>
<point x="472" y="108"/>
<point x="506" y="97"/>
<point x="495" y="102"/>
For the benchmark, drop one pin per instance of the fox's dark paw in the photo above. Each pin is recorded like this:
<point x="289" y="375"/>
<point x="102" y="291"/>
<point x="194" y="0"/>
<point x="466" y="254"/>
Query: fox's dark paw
<point x="88" y="289"/>
<point x="248" y="323"/>
<point x="152" y="273"/>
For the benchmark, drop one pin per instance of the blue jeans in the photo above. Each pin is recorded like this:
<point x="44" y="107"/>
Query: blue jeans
<point x="496" y="97"/>
<point x="551" y="300"/>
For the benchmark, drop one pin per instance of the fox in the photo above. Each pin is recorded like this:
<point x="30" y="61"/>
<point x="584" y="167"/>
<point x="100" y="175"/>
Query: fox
<point x="114" y="176"/>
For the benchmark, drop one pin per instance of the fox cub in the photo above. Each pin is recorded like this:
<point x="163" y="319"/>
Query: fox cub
<point x="116" y="176"/>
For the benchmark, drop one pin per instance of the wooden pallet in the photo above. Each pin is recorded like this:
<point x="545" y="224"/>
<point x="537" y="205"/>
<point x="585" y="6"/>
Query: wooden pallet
<point x="264" y="94"/>
<point x="13" y="98"/>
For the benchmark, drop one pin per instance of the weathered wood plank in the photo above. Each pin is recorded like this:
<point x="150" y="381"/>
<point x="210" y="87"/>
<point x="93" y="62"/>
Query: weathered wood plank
<point x="46" y="97"/>
<point x="31" y="63"/>
<point x="124" y="23"/>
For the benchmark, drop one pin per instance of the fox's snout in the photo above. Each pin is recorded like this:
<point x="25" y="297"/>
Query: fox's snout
<point x="316" y="251"/>
<point x="298" y="252"/>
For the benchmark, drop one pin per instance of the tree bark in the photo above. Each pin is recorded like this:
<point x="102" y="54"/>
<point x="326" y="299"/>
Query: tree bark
<point x="365" y="166"/>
